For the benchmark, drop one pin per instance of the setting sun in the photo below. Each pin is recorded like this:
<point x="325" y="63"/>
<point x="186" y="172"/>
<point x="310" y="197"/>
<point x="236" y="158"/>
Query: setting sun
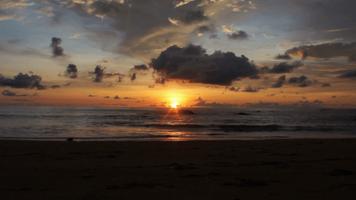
<point x="174" y="103"/>
<point x="174" y="99"/>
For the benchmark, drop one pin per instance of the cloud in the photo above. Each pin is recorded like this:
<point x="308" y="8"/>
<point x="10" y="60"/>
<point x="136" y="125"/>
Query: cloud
<point x="55" y="86"/>
<point x="9" y="8"/>
<point x="227" y="29"/>
<point x="324" y="85"/>
<point x="99" y="74"/>
<point x="325" y="51"/>
<point x="142" y="67"/>
<point x="72" y="71"/>
<point x="192" y="63"/>
<point x="234" y="89"/>
<point x="283" y="57"/>
<point x="348" y="74"/>
<point x="251" y="89"/>
<point x="284" y="67"/>
<point x="29" y="81"/>
<point x="133" y="77"/>
<point x="137" y="69"/>
<point x="233" y="34"/>
<point x="280" y="82"/>
<point x="192" y="16"/>
<point x="238" y="35"/>
<point x="57" y="50"/>
<point x="301" y="81"/>
<point x="143" y="31"/>
<point x="200" y="102"/>
<point x="8" y="93"/>
<point x="183" y="2"/>
<point x="174" y="21"/>
<point x="160" y="80"/>
<point x="244" y="6"/>
<point x="206" y="29"/>
<point x="140" y="30"/>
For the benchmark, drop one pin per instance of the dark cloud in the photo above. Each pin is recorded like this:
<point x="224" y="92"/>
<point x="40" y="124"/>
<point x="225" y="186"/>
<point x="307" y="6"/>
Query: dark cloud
<point x="55" y="86"/>
<point x="21" y="80"/>
<point x="129" y="98"/>
<point x="208" y="29"/>
<point x="251" y="89"/>
<point x="280" y="82"/>
<point x="192" y="16"/>
<point x="325" y="85"/>
<point x="348" y="74"/>
<point x="234" y="89"/>
<point x="8" y="93"/>
<point x="133" y="77"/>
<point x="301" y="81"/>
<point x="59" y="86"/>
<point x="137" y="69"/>
<point x="57" y="50"/>
<point x="200" y="102"/>
<point x="72" y="71"/>
<point x="285" y="67"/>
<point x="205" y="29"/>
<point x="309" y="103"/>
<point x="325" y="51"/>
<point x="192" y="63"/>
<point x="283" y="57"/>
<point x="160" y="80"/>
<point x="142" y="67"/>
<point x="139" y="28"/>
<point x="238" y="35"/>
<point x="144" y="26"/>
<point x="99" y="74"/>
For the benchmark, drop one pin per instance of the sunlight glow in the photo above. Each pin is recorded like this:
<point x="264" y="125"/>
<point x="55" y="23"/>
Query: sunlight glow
<point x="174" y="103"/>
<point x="174" y="100"/>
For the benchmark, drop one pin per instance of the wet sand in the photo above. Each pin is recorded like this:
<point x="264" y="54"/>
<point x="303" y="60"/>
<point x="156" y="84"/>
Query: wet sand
<point x="271" y="169"/>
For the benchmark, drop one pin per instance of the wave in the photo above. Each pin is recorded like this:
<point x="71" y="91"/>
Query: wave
<point x="240" y="128"/>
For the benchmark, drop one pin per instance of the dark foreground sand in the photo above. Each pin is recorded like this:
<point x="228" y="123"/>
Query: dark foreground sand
<point x="276" y="169"/>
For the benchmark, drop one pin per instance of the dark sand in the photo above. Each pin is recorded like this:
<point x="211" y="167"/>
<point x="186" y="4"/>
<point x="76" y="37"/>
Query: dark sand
<point x="275" y="169"/>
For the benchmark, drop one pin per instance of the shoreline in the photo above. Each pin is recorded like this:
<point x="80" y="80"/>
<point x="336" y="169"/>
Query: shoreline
<point x="263" y="169"/>
<point x="169" y="138"/>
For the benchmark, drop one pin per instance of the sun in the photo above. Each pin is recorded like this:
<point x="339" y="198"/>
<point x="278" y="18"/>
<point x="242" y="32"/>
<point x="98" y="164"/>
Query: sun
<point x="174" y="99"/>
<point x="174" y="104"/>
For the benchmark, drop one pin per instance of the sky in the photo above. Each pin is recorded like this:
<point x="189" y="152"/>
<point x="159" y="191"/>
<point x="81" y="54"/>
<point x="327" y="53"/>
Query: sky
<point x="145" y="53"/>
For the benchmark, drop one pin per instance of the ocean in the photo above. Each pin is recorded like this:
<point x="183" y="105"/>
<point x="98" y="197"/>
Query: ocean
<point x="58" y="123"/>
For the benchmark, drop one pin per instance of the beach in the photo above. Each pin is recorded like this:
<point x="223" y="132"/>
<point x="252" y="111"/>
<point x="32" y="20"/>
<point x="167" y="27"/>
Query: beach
<point x="236" y="170"/>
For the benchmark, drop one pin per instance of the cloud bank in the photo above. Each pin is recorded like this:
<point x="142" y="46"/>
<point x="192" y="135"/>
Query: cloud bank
<point x="192" y="63"/>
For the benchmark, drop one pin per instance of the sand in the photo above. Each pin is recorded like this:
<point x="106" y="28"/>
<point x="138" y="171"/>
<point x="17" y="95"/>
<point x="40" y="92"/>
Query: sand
<point x="271" y="169"/>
